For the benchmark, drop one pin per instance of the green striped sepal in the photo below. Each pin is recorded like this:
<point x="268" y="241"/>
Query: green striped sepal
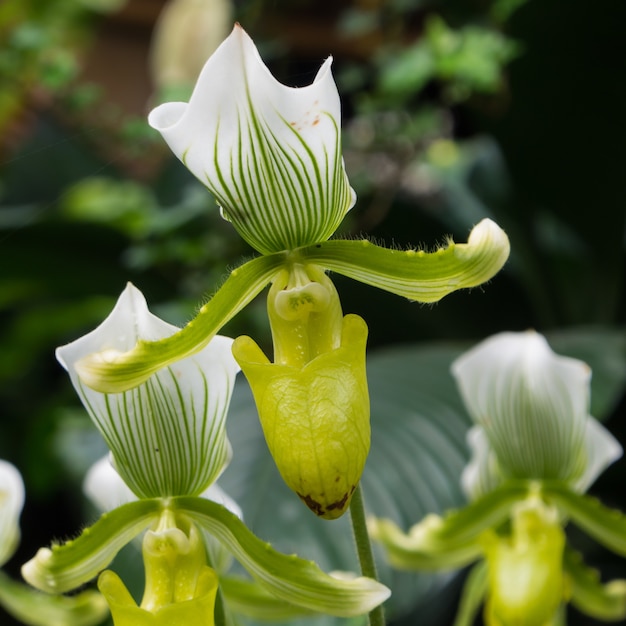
<point x="530" y="407"/>
<point x="167" y="436"/>
<point x="269" y="154"/>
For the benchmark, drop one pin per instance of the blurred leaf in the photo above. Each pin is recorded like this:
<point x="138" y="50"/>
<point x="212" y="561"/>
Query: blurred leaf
<point x="409" y="71"/>
<point x="604" y="350"/>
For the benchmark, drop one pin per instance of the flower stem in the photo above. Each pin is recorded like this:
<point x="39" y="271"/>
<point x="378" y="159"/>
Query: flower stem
<point x="219" y="613"/>
<point x="364" y="549"/>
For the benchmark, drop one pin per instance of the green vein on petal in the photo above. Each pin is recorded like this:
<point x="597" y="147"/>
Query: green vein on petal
<point x="114" y="372"/>
<point x="418" y="275"/>
<point x="288" y="577"/>
<point x="67" y="566"/>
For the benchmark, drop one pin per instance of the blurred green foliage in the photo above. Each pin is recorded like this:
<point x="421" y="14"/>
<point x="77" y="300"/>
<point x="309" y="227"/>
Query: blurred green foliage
<point x="453" y="111"/>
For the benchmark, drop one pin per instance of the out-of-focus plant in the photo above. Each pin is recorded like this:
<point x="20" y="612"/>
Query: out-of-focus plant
<point x="21" y="601"/>
<point x="176" y="61"/>
<point x="536" y="450"/>
<point x="422" y="68"/>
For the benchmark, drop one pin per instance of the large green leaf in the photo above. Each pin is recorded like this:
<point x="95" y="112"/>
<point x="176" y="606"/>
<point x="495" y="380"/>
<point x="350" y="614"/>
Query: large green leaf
<point x="604" y="349"/>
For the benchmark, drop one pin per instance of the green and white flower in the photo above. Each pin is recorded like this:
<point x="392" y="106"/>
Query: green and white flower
<point x="25" y="604"/>
<point x="167" y="436"/>
<point x="535" y="451"/>
<point x="269" y="154"/>
<point x="531" y="410"/>
<point x="168" y="445"/>
<point x="11" y="504"/>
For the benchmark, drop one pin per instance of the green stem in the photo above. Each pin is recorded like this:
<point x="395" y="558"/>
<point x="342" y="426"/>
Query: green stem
<point x="364" y="549"/>
<point x="219" y="613"/>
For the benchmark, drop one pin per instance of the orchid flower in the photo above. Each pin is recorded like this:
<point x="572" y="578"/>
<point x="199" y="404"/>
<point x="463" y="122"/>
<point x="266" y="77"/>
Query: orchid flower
<point x="168" y="445"/>
<point x="535" y="451"/>
<point x="25" y="604"/>
<point x="271" y="157"/>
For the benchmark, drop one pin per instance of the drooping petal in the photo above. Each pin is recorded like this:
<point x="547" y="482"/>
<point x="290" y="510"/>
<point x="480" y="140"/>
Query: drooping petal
<point x="167" y="436"/>
<point x="11" y="503"/>
<point x="270" y="154"/>
<point x="106" y="490"/>
<point x="603" y="601"/>
<point x="290" y="578"/>
<point x="249" y="598"/>
<point x="601" y="449"/>
<point x="451" y="541"/>
<point x="418" y="275"/>
<point x="532" y="404"/>
<point x="120" y="369"/>
<point x="35" y="608"/>
<point x="481" y="475"/>
<point x="607" y="526"/>
<point x="64" y="567"/>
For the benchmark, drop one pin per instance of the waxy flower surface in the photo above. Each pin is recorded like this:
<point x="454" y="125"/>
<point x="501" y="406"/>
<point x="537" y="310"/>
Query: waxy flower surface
<point x="269" y="154"/>
<point x="167" y="436"/>
<point x="168" y="445"/>
<point x="535" y="450"/>
<point x="271" y="157"/>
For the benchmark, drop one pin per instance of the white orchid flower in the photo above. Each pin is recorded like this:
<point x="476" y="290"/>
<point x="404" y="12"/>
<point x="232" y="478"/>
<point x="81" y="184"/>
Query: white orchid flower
<point x="168" y="445"/>
<point x="22" y="602"/>
<point x="11" y="504"/>
<point x="531" y="409"/>
<point x="167" y="436"/>
<point x="269" y="154"/>
<point x="535" y="451"/>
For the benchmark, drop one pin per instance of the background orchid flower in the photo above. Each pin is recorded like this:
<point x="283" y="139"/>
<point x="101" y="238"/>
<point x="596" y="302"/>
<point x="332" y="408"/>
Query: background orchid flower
<point x="535" y="450"/>
<point x="168" y="445"/>
<point x="11" y="503"/>
<point x="25" y="604"/>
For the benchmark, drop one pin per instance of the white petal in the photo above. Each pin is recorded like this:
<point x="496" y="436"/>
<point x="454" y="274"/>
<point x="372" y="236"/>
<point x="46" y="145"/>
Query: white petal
<point x="532" y="403"/>
<point x="105" y="487"/>
<point x="11" y="503"/>
<point x="481" y="474"/>
<point x="270" y="154"/>
<point x="167" y="435"/>
<point x="601" y="450"/>
<point x="217" y="494"/>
